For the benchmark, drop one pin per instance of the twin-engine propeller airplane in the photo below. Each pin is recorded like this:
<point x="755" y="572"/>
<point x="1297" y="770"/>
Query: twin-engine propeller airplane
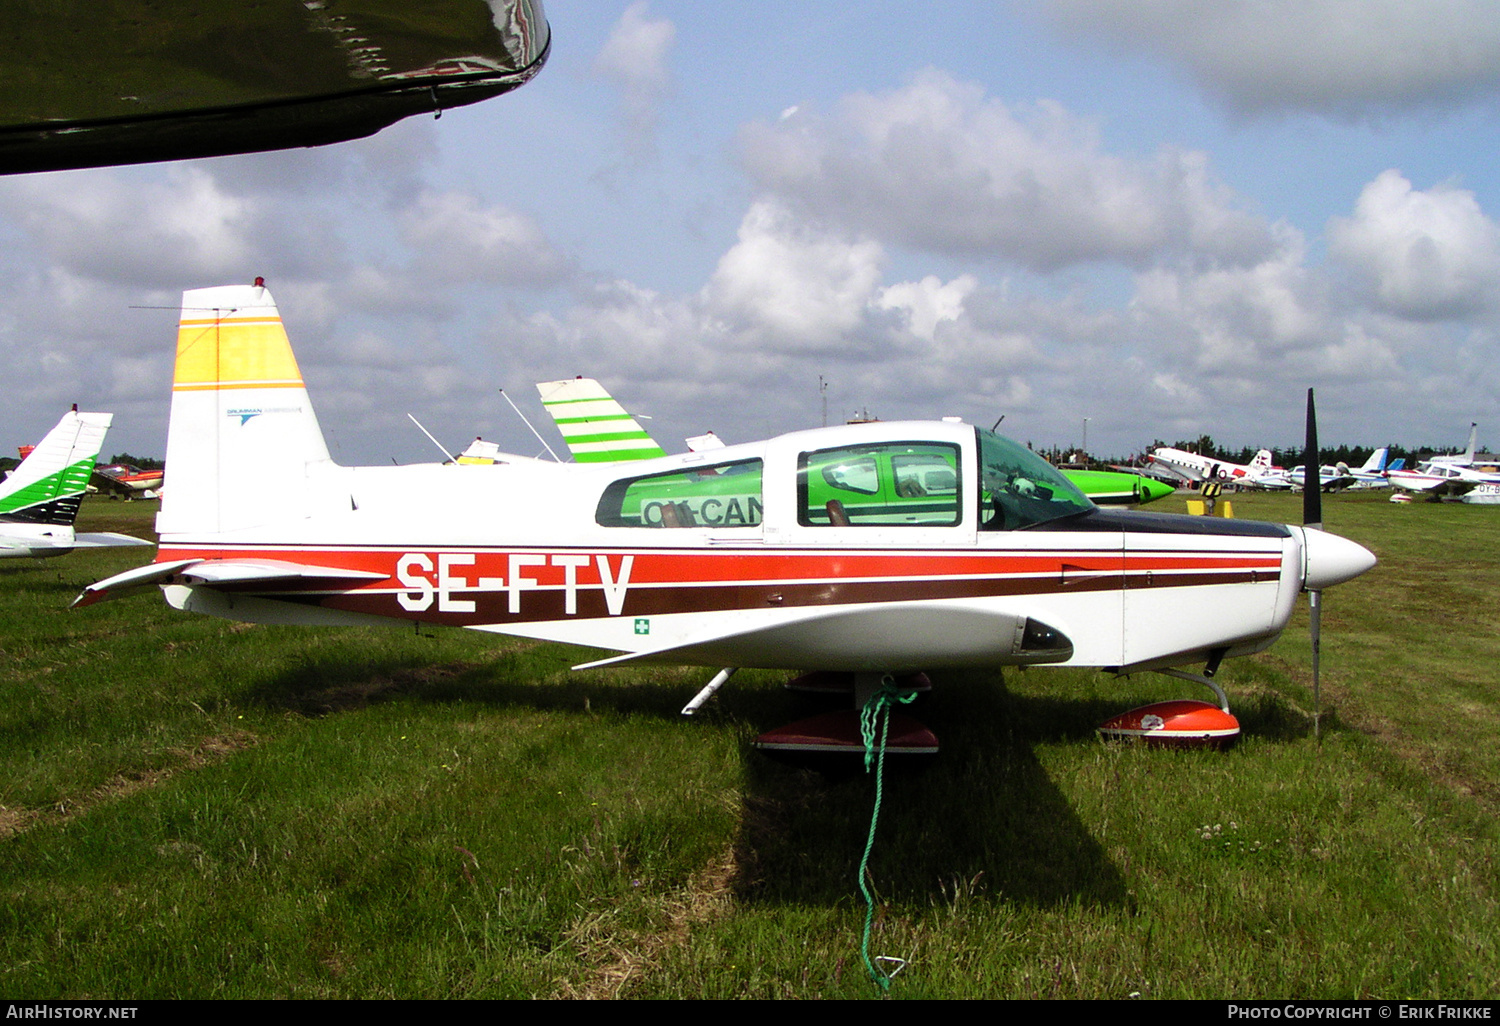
<point x="1259" y="473"/>
<point x="39" y="501"/>
<point x="725" y="558"/>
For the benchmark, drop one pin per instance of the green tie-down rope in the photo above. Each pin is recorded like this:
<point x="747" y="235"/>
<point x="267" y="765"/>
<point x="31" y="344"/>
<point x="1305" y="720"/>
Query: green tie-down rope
<point x="875" y="718"/>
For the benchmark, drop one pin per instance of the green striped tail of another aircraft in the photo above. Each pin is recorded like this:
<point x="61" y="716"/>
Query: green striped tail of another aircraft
<point x="596" y="427"/>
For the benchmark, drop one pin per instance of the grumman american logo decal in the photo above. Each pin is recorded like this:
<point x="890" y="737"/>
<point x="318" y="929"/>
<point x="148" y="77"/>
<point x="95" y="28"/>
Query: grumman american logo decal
<point x="245" y="413"/>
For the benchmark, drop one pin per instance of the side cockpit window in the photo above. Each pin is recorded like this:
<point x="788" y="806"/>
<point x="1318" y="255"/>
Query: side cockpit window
<point x="718" y="496"/>
<point x="890" y="484"/>
<point x="1018" y="489"/>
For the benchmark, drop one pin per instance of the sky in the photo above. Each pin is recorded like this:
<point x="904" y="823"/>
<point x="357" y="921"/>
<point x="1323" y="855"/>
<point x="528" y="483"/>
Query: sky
<point x="1142" y="219"/>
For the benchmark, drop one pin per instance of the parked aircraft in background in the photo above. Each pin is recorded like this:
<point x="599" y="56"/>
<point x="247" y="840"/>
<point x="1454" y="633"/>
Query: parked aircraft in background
<point x="127" y="481"/>
<point x="1260" y="473"/>
<point x="39" y="500"/>
<point x="1371" y="473"/>
<point x="1438" y="479"/>
<point x="1337" y="478"/>
<point x="1118" y="488"/>
<point x="1444" y="476"/>
<point x="1007" y="564"/>
<point x="1462" y="459"/>
<point x="597" y="429"/>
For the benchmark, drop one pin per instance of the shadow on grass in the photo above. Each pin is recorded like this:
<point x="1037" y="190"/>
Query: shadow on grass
<point x="982" y="815"/>
<point x="527" y="676"/>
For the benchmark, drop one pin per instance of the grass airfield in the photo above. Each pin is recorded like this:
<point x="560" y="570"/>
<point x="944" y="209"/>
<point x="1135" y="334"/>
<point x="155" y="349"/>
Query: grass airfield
<point x="196" y="808"/>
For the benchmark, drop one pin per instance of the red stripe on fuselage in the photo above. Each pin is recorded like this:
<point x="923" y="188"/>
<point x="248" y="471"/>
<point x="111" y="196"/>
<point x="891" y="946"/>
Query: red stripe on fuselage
<point x="758" y="566"/>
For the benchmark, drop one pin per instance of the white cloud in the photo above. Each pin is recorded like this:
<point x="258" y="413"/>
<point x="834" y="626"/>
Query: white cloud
<point x="459" y="240"/>
<point x="1236" y="319"/>
<point x="116" y="227"/>
<point x="938" y="165"/>
<point x="1426" y="255"/>
<point x="634" y="58"/>
<point x="791" y="286"/>
<point x="928" y="302"/>
<point x="1338" y="57"/>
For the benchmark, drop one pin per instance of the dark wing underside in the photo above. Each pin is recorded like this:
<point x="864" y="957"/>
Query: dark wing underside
<point x="120" y="82"/>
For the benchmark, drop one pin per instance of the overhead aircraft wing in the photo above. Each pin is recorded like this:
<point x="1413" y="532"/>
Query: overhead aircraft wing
<point x="894" y="636"/>
<point x="105" y="83"/>
<point x="217" y="572"/>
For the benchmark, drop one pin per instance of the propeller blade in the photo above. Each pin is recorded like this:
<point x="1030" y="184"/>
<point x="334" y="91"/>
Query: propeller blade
<point x="1312" y="491"/>
<point x="1312" y="516"/>
<point x="1314" y="622"/>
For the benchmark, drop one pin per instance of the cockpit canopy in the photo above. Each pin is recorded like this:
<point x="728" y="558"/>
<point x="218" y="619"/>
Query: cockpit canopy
<point x="1020" y="489"/>
<point x="892" y="482"/>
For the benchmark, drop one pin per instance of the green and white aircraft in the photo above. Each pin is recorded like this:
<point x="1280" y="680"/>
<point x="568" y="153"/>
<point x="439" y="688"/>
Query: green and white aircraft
<point x="39" y="500"/>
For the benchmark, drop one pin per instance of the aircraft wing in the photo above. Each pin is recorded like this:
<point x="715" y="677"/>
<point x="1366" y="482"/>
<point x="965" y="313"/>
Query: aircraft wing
<point x="217" y="572"/>
<point x="102" y="482"/>
<point x="895" y="636"/>
<point x="1177" y="470"/>
<point x="105" y="539"/>
<point x="86" y="85"/>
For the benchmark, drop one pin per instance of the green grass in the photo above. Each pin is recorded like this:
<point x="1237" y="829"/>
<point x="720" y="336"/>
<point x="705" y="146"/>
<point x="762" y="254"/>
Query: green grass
<point x="195" y="808"/>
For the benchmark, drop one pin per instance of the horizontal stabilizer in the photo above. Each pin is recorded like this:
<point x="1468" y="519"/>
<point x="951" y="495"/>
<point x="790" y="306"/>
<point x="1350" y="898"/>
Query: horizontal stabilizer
<point x="256" y="571"/>
<point x="130" y="580"/>
<point x="218" y="572"/>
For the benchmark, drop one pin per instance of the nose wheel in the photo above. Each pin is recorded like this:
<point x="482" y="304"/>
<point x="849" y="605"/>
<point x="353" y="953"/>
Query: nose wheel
<point x="1180" y="723"/>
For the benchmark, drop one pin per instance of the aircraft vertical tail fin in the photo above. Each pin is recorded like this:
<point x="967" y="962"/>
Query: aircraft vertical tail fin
<point x="50" y="483"/>
<point x="1376" y="463"/>
<point x="243" y="441"/>
<point x="596" y="427"/>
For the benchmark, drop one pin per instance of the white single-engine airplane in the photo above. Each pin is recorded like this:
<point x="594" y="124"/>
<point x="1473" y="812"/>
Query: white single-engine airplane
<point x="738" y="556"/>
<point x="39" y="500"/>
<point x="1443" y="476"/>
